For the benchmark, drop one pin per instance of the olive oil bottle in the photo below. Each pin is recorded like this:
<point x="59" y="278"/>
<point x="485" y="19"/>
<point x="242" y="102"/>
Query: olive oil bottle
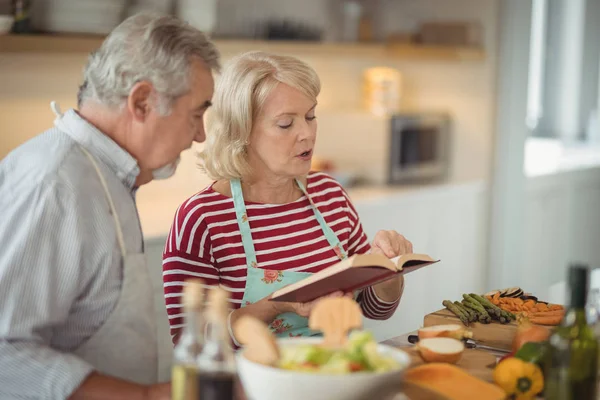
<point x="184" y="379"/>
<point x="217" y="375"/>
<point x="571" y="366"/>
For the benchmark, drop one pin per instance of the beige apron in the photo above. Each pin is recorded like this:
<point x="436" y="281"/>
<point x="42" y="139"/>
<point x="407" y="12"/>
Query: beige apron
<point x="126" y="345"/>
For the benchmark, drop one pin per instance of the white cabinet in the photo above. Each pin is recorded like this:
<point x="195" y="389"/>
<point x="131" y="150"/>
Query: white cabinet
<point x="545" y="238"/>
<point x="584" y="239"/>
<point x="562" y="225"/>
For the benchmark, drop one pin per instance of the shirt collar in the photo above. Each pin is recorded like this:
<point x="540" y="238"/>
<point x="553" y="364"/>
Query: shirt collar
<point x="103" y="147"/>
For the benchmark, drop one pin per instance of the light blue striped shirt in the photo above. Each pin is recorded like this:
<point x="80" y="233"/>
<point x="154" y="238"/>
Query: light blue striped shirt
<point x="60" y="264"/>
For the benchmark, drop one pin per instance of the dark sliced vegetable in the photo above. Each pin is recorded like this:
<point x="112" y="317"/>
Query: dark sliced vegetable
<point x="514" y="292"/>
<point x="528" y="297"/>
<point x="511" y="292"/>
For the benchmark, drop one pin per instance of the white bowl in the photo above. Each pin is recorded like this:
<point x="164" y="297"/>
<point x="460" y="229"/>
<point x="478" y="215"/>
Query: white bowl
<point x="6" y="23"/>
<point x="267" y="383"/>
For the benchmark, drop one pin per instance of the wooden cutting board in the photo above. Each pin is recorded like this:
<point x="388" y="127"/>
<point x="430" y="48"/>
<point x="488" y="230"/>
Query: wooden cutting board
<point x="478" y="363"/>
<point x="493" y="334"/>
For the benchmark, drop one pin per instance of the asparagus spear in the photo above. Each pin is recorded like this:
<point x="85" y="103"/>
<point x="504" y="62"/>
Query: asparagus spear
<point x="450" y="306"/>
<point x="463" y="316"/>
<point x="464" y="311"/>
<point x="470" y="313"/>
<point x="484" y="317"/>
<point x="494" y="312"/>
<point x="486" y="303"/>
<point x="475" y="303"/>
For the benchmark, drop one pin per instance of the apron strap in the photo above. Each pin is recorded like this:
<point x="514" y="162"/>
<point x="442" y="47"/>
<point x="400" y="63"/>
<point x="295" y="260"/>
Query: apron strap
<point x="330" y="235"/>
<point x="56" y="109"/>
<point x="242" y="219"/>
<point x="244" y="225"/>
<point x="113" y="209"/>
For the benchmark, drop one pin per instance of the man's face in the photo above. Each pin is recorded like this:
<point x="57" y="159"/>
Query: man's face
<point x="165" y="137"/>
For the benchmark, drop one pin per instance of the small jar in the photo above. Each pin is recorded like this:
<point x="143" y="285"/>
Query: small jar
<point x="382" y="90"/>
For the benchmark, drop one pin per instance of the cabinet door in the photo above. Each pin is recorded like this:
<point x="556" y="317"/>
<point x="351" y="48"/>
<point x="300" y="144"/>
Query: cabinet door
<point x="546" y="246"/>
<point x="584" y="235"/>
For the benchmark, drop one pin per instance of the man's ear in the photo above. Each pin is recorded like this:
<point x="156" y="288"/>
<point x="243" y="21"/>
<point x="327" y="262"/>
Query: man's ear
<point x="139" y="102"/>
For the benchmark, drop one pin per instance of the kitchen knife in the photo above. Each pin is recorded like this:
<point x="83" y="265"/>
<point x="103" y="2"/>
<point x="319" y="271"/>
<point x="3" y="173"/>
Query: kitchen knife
<point x="469" y="344"/>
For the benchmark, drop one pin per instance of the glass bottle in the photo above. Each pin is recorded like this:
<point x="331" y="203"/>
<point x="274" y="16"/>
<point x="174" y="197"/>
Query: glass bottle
<point x="571" y="367"/>
<point x="217" y="376"/>
<point x="21" y="11"/>
<point x="184" y="379"/>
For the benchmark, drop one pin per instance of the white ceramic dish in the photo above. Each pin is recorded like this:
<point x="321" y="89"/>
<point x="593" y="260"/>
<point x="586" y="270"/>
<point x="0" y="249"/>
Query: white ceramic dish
<point x="267" y="383"/>
<point x="6" y="23"/>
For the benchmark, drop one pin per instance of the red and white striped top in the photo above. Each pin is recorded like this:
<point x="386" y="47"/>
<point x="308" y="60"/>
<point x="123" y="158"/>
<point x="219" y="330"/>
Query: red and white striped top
<point x="205" y="242"/>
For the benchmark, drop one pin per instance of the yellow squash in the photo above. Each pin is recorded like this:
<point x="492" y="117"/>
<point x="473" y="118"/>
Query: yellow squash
<point x="519" y="378"/>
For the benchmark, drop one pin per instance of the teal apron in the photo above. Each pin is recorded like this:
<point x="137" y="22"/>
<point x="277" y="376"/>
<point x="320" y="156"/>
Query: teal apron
<point x="260" y="283"/>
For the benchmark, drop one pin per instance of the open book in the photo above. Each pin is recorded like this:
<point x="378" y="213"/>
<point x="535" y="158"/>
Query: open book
<point x="353" y="273"/>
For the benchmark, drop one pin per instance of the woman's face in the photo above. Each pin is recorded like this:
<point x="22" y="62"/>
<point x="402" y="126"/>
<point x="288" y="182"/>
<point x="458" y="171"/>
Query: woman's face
<point x="283" y="136"/>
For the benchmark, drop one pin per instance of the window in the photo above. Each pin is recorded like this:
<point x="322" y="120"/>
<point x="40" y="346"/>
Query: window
<point x="564" y="67"/>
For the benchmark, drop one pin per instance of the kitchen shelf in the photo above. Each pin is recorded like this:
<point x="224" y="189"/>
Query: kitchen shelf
<point x="65" y="44"/>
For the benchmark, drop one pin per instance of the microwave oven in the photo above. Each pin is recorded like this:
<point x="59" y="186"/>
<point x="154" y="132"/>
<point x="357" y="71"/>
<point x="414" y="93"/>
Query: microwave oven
<point x="419" y="147"/>
<point x="403" y="147"/>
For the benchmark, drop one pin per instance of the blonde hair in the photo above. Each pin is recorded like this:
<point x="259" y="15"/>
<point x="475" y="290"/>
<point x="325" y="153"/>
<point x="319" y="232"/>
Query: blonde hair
<point x="240" y="93"/>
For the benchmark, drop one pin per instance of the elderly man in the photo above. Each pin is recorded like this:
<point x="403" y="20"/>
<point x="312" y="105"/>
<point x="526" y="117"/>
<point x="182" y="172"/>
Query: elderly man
<point x="76" y="315"/>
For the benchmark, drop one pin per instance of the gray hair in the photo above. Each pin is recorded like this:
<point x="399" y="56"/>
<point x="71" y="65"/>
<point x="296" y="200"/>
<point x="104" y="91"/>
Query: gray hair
<point x="146" y="47"/>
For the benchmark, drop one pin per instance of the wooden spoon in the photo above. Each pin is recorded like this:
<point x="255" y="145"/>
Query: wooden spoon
<point x="258" y="341"/>
<point x="335" y="317"/>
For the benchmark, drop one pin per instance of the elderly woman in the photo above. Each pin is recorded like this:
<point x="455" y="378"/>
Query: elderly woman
<point x="267" y="221"/>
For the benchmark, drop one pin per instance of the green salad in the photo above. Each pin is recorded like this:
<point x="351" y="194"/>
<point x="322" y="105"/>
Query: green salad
<point x="359" y="355"/>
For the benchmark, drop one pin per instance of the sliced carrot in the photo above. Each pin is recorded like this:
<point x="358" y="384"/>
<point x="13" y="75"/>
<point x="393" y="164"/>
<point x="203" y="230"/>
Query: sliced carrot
<point x="497" y="296"/>
<point x="542" y="307"/>
<point x="519" y="301"/>
<point x="529" y="303"/>
<point x="555" y="307"/>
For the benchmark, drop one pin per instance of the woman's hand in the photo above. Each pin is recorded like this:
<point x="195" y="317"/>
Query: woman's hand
<point x="391" y="243"/>
<point x="304" y="309"/>
<point x="267" y="310"/>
